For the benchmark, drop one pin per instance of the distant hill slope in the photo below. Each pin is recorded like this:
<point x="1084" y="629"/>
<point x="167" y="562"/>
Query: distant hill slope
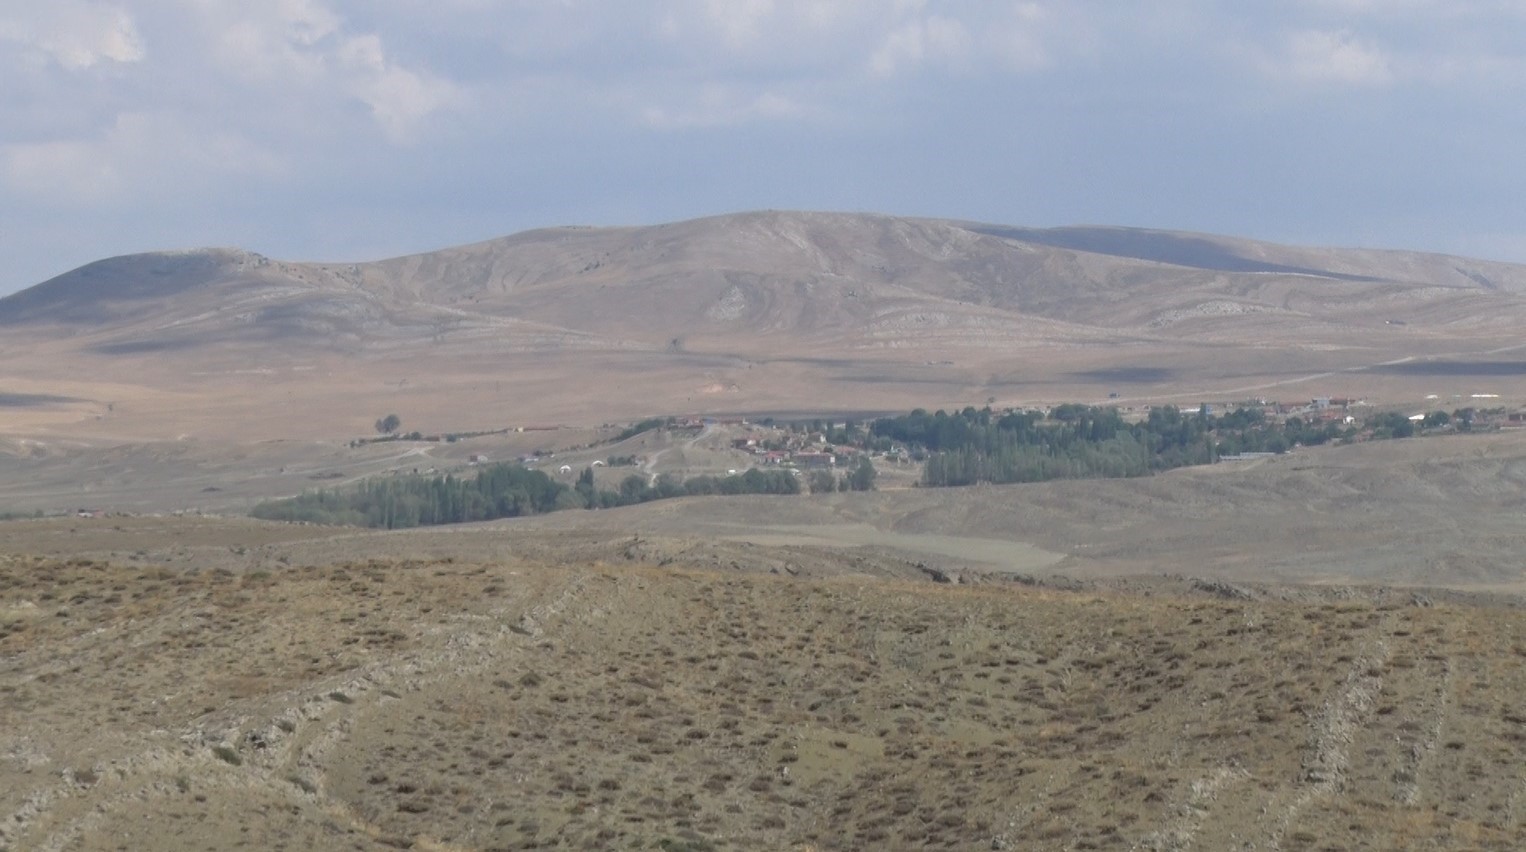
<point x="847" y="277"/>
<point x="751" y="312"/>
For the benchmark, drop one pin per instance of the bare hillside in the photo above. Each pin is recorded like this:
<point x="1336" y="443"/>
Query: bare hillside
<point x="510" y="704"/>
<point x="787" y="274"/>
<point x="747" y="312"/>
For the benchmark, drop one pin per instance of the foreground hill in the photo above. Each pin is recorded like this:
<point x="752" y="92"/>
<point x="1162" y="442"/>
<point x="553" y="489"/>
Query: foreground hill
<point x="754" y="311"/>
<point x="511" y="704"/>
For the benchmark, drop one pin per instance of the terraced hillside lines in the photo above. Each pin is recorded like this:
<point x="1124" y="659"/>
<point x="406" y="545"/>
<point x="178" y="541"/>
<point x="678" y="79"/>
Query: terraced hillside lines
<point x="446" y="704"/>
<point x="1336" y="725"/>
<point x="240" y="735"/>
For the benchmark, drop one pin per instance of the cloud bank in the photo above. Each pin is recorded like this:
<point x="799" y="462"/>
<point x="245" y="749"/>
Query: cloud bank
<point x="343" y="128"/>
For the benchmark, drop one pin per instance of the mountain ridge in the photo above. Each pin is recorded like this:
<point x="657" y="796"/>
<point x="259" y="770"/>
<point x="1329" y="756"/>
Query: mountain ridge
<point x="723" y="269"/>
<point x="769" y="310"/>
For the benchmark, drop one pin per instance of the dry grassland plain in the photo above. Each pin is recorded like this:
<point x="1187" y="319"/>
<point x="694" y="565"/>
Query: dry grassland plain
<point x="1322" y="651"/>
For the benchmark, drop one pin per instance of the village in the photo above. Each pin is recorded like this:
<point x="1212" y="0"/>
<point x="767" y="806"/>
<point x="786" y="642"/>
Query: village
<point x="819" y="444"/>
<point x="823" y="451"/>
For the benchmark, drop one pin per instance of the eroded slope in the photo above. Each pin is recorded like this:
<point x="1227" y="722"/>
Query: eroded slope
<point x="509" y="706"/>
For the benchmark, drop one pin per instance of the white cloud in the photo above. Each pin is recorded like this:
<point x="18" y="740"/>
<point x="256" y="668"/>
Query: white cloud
<point x="1029" y="36"/>
<point x="1326" y="57"/>
<point x="232" y="90"/>
<point x="156" y="106"/>
<point x="740" y="22"/>
<point x="830" y="56"/>
<point x="1339" y="57"/>
<point x="307" y="22"/>
<point x="763" y="33"/>
<point x="67" y="170"/>
<point x="304" y="48"/>
<point x="886" y="38"/>
<point x="73" y="33"/>
<point x="721" y="106"/>
<point x="775" y="23"/>
<point x="400" y="99"/>
<point x="140" y="156"/>
<point x="257" y="41"/>
<point x="1015" y="37"/>
<point x="933" y="39"/>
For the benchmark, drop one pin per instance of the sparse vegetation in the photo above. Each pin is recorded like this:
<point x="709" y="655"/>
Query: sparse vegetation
<point x="17" y="516"/>
<point x="589" y="703"/>
<point x="766" y="673"/>
<point x="643" y="426"/>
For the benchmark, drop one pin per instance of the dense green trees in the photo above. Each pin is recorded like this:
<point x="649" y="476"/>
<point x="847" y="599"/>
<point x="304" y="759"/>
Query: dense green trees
<point x="1025" y="446"/>
<point x="862" y="477"/>
<point x="1435" y="419"/>
<point x="823" y="482"/>
<point x="644" y="426"/>
<point x="636" y="489"/>
<point x="1075" y="441"/>
<point x="960" y="448"/>
<point x="498" y="491"/>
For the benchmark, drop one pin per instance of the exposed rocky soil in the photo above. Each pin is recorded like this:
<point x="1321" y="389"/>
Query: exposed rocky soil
<point x="511" y="704"/>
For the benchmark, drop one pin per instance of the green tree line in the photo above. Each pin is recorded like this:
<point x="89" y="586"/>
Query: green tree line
<point x="1080" y="441"/>
<point x="498" y="491"/>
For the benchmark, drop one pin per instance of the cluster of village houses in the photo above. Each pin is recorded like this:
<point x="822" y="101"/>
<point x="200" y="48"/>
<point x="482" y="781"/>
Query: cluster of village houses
<point x="810" y="452"/>
<point x="1486" y="409"/>
<point x="772" y="446"/>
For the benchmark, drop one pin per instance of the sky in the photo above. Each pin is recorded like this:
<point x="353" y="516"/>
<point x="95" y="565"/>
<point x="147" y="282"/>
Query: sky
<point x="347" y="130"/>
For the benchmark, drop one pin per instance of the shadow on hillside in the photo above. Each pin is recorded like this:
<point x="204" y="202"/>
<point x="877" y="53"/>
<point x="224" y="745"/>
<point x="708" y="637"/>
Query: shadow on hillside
<point x="1455" y="368"/>
<point x="31" y="400"/>
<point x="1127" y="375"/>
<point x="1177" y="250"/>
<point x="135" y="347"/>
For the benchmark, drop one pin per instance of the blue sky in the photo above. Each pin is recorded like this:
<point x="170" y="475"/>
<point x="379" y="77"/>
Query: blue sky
<point x="359" y="129"/>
